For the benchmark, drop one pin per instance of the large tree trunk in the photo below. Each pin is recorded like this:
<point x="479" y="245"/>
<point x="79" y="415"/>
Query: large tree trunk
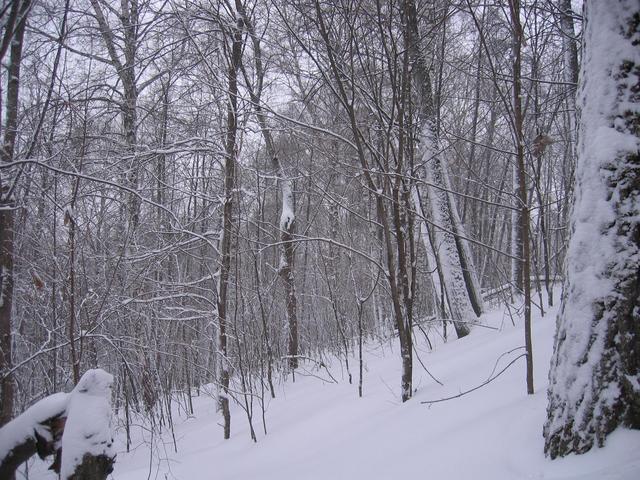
<point x="595" y="369"/>
<point x="7" y="211"/>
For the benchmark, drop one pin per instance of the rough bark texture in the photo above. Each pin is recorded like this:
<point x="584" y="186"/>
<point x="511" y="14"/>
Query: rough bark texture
<point x="93" y="468"/>
<point x="595" y="370"/>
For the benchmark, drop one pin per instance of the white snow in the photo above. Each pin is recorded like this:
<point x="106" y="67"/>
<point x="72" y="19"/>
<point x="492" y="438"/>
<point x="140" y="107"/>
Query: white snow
<point x="287" y="216"/>
<point x="88" y="427"/>
<point x="322" y="430"/>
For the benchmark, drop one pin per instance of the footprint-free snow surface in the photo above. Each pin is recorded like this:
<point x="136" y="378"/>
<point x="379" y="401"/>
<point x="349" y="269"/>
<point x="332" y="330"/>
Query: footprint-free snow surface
<point x="318" y="429"/>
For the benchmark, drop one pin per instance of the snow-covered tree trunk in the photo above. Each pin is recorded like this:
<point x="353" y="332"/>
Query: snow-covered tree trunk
<point x="125" y="66"/>
<point x="286" y="269"/>
<point x="436" y="175"/>
<point x="36" y="430"/>
<point x="471" y="281"/>
<point x="595" y="369"/>
<point x="445" y="248"/>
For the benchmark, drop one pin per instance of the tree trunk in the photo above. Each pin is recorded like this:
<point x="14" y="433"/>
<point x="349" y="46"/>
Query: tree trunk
<point x="286" y="269"/>
<point x="227" y="224"/>
<point x="595" y="368"/>
<point x="7" y="214"/>
<point x="523" y="217"/>
<point x="445" y="248"/>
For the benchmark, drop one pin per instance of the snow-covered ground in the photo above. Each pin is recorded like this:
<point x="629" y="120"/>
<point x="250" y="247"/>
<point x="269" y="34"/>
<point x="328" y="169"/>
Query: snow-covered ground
<point x="322" y="430"/>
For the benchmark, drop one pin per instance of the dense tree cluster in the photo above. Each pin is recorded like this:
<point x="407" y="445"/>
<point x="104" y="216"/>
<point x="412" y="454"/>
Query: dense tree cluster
<point x="199" y="192"/>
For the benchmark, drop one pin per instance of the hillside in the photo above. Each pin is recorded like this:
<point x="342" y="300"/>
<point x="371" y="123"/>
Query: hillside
<point x="320" y="430"/>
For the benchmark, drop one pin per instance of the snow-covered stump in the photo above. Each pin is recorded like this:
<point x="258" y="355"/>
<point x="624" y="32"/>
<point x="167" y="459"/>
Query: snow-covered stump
<point x="594" y="382"/>
<point x="76" y="426"/>
<point x="87" y="441"/>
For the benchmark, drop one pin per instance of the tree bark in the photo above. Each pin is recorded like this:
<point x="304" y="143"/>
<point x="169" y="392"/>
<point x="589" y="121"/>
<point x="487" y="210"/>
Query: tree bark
<point x="595" y="369"/>
<point x="440" y="207"/>
<point x="523" y="217"/>
<point x="7" y="214"/>
<point x="235" y="57"/>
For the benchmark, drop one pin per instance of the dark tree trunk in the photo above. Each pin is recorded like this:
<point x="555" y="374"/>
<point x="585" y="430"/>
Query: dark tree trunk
<point x="235" y="58"/>
<point x="93" y="468"/>
<point x="7" y="212"/>
<point x="523" y="217"/>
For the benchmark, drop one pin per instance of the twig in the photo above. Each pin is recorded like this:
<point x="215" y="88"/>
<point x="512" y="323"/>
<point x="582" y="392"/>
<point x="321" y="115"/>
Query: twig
<point x="319" y="364"/>
<point x="425" y="368"/>
<point x="429" y="402"/>
<point x="498" y="359"/>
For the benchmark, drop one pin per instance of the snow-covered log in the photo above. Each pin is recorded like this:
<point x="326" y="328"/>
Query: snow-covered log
<point x="75" y="426"/>
<point x="37" y="430"/>
<point x="595" y="369"/>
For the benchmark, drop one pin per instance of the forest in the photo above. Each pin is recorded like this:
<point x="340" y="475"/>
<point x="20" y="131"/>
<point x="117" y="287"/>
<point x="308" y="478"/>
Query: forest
<point x="230" y="195"/>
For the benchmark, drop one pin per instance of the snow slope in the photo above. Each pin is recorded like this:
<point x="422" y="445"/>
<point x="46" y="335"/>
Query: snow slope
<point x="322" y="430"/>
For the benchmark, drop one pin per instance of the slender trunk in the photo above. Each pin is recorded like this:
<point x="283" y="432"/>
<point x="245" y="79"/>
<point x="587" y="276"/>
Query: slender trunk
<point x="523" y="224"/>
<point x="381" y="194"/>
<point x="227" y="224"/>
<point x="286" y="268"/>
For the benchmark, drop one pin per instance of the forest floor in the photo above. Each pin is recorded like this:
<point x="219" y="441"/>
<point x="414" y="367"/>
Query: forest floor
<point x="321" y="430"/>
